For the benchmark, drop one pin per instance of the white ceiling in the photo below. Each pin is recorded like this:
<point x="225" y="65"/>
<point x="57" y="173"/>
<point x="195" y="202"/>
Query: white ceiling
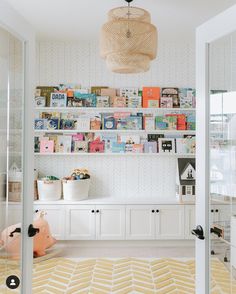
<point x="77" y="19"/>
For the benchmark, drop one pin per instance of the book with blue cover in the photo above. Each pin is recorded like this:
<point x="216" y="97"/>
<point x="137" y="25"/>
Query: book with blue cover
<point x="118" y="147"/>
<point x="108" y="121"/>
<point x="129" y="123"/>
<point x="109" y="139"/>
<point x="40" y="124"/>
<point x="161" y="122"/>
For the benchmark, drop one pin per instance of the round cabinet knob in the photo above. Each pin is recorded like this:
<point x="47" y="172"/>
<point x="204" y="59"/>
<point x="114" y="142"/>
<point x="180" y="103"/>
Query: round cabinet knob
<point x="93" y="211"/>
<point x="217" y="210"/>
<point x="97" y="211"/>
<point x="212" y="210"/>
<point x="153" y="211"/>
<point x="157" y="210"/>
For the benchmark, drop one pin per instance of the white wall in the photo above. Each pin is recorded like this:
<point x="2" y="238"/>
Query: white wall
<point x="59" y="62"/>
<point x="149" y="177"/>
<point x="80" y="63"/>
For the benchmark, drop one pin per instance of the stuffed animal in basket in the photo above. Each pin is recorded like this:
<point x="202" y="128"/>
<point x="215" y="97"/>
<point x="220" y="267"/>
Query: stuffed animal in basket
<point x="11" y="241"/>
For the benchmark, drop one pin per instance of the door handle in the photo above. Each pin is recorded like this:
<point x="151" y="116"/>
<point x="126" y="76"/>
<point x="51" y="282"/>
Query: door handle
<point x="32" y="231"/>
<point x="17" y="230"/>
<point x="198" y="232"/>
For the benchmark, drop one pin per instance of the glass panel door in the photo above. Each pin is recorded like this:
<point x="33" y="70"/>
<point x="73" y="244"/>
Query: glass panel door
<point x="223" y="164"/>
<point x="11" y="158"/>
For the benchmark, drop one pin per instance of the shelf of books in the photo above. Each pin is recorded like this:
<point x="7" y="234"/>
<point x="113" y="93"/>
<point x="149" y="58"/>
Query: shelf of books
<point x="107" y="121"/>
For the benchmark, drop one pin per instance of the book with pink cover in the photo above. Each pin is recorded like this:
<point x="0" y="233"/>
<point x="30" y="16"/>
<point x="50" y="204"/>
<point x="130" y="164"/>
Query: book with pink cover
<point x="46" y="146"/>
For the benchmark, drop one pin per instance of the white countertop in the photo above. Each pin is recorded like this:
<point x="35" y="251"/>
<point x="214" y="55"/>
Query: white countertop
<point x="120" y="201"/>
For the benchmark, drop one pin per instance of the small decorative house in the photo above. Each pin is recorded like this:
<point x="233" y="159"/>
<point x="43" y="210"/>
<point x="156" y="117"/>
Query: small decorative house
<point x="185" y="179"/>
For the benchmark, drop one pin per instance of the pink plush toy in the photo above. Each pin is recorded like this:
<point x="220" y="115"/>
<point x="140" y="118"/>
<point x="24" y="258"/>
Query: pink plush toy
<point x="11" y="241"/>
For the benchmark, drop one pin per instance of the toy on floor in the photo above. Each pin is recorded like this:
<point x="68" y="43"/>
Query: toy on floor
<point x="11" y="241"/>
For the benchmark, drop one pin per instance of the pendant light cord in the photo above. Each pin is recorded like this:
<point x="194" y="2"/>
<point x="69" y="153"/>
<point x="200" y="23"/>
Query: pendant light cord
<point x="128" y="33"/>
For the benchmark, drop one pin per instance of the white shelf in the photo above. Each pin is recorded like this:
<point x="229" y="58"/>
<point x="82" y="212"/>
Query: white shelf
<point x="187" y="132"/>
<point x="117" y="154"/>
<point x="112" y="109"/>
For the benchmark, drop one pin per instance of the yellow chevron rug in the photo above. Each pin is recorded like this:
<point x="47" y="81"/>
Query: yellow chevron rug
<point x="120" y="276"/>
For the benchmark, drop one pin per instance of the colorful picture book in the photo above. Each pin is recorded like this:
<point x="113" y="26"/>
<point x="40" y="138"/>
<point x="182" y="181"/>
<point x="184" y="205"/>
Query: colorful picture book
<point x="166" y="145"/>
<point x="96" y="146"/>
<point x="129" y="139"/>
<point x="45" y="91"/>
<point x="108" y="121"/>
<point x="58" y="99"/>
<point x="40" y="124"/>
<point x="171" y="93"/>
<point x="39" y="101"/>
<point x="85" y="100"/>
<point x="187" y="97"/>
<point x="119" y="101"/>
<point x="97" y="90"/>
<point x="149" y="123"/>
<point x="166" y="102"/>
<point x="52" y="124"/>
<point x="129" y="92"/>
<point x="108" y="140"/>
<point x="150" y="147"/>
<point x="151" y="97"/>
<point x="80" y="147"/>
<point x="103" y="101"/>
<point x="95" y="122"/>
<point x="64" y="144"/>
<point x="134" y="102"/>
<point x="46" y="146"/>
<point x="185" y="145"/>
<point x="118" y="147"/>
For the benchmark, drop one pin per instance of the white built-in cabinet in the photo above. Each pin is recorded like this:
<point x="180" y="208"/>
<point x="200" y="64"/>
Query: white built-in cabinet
<point x="118" y="222"/>
<point x="140" y="222"/>
<point x="95" y="222"/>
<point x="80" y="222"/>
<point x="55" y="215"/>
<point x="170" y="222"/>
<point x="110" y="222"/>
<point x="151" y="222"/>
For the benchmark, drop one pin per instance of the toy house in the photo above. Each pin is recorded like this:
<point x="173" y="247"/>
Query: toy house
<point x="185" y="179"/>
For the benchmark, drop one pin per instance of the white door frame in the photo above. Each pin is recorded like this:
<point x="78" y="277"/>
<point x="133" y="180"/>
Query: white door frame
<point x="16" y="25"/>
<point x="217" y="27"/>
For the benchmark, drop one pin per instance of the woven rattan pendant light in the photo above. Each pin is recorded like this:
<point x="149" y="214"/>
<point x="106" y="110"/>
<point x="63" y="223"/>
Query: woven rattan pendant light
<point x="128" y="40"/>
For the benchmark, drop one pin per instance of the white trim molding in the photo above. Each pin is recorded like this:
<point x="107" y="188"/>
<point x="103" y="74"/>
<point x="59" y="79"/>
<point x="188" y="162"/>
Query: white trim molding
<point x="219" y="26"/>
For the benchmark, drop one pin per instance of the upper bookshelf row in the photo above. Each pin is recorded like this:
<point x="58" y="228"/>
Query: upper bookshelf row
<point x="71" y="95"/>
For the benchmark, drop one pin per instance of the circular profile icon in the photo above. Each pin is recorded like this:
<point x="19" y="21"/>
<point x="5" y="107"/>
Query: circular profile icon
<point x="12" y="282"/>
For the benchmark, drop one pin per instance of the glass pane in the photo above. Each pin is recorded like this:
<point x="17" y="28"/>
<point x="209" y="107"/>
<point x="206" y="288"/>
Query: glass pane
<point x="223" y="164"/>
<point x="11" y="107"/>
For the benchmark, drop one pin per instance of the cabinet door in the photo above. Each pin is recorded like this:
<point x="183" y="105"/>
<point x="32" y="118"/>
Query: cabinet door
<point x="189" y="219"/>
<point x="80" y="222"/>
<point x="140" y="222"/>
<point x="55" y="216"/>
<point x="169" y="222"/>
<point x="110" y="222"/>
